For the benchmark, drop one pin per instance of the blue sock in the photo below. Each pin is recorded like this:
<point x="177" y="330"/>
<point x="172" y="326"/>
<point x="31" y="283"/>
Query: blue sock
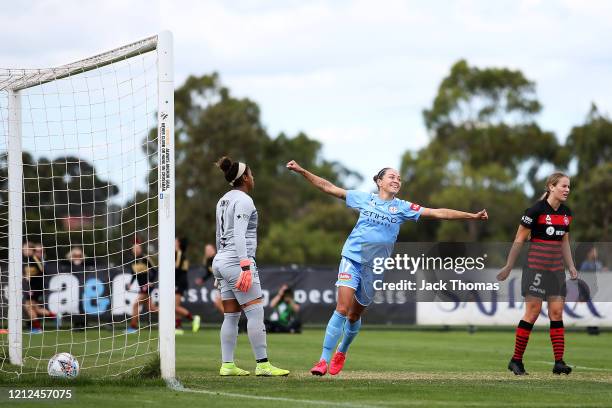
<point x="350" y="332"/>
<point x="332" y="335"/>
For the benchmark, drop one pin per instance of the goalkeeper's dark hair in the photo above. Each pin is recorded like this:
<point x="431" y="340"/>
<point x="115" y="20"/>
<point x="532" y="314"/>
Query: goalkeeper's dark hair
<point x="230" y="169"/>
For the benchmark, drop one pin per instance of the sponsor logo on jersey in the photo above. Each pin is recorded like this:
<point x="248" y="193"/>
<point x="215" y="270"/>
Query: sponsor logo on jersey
<point x="393" y="210"/>
<point x="527" y="220"/>
<point x="415" y="207"/>
<point x="344" y="276"/>
<point x="548" y="220"/>
<point x="560" y="232"/>
<point x="378" y="218"/>
<point x="550" y="230"/>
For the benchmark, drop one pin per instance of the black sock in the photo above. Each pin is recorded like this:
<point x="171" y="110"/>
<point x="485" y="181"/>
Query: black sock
<point x="262" y="360"/>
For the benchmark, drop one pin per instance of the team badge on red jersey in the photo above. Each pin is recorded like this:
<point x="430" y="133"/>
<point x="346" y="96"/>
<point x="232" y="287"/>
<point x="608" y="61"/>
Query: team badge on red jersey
<point x="566" y="220"/>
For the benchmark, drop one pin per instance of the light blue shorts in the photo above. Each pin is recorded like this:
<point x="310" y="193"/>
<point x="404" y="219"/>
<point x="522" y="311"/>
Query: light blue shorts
<point x="359" y="277"/>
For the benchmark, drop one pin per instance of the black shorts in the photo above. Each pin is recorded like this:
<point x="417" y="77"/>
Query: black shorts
<point x="33" y="289"/>
<point x="543" y="284"/>
<point x="180" y="283"/>
<point x="144" y="284"/>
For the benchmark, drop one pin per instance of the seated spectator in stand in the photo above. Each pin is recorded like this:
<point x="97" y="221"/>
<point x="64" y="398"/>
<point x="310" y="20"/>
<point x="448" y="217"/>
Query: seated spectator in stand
<point x="284" y="318"/>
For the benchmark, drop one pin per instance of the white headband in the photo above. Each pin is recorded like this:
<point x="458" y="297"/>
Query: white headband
<point x="241" y="169"/>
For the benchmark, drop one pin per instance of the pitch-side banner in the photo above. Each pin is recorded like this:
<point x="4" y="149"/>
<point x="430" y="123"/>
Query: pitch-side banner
<point x="314" y="291"/>
<point x="107" y="294"/>
<point x="509" y="311"/>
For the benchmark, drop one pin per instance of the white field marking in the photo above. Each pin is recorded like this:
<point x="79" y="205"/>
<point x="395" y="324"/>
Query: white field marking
<point x="179" y="387"/>
<point x="577" y="366"/>
<point x="385" y="404"/>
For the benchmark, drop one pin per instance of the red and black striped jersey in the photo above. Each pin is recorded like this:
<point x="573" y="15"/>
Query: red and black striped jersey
<point x="545" y="223"/>
<point x="548" y="226"/>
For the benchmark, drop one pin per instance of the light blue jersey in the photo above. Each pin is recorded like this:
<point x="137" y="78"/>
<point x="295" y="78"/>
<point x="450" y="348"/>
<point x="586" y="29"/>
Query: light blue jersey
<point x="378" y="225"/>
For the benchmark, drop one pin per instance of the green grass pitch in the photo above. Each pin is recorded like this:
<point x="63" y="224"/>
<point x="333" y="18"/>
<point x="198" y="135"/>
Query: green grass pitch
<point x="384" y="369"/>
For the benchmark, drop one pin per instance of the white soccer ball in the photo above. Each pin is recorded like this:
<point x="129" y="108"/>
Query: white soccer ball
<point x="63" y="365"/>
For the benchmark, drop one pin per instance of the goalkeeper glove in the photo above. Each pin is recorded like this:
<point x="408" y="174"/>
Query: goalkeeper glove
<point x="245" y="280"/>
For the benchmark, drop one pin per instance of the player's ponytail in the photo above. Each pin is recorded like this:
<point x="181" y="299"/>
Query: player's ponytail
<point x="380" y="175"/>
<point x="553" y="179"/>
<point x="233" y="170"/>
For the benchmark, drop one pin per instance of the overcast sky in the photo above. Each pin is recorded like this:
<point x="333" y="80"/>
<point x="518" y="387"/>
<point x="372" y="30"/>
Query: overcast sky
<point x="353" y="74"/>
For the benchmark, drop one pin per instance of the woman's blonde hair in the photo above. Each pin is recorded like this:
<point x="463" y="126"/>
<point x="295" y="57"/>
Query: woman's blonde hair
<point x="552" y="179"/>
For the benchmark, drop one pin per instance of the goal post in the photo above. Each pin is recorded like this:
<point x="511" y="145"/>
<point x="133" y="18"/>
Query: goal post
<point x="87" y="166"/>
<point x="166" y="202"/>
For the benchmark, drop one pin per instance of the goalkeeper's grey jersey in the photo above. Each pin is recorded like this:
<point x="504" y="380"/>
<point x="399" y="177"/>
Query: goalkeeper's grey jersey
<point x="236" y="226"/>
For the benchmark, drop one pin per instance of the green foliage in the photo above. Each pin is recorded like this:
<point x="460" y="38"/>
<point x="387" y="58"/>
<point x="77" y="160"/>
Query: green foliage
<point x="65" y="203"/>
<point x="591" y="147"/>
<point x="315" y="236"/>
<point x="483" y="141"/>
<point x="211" y="123"/>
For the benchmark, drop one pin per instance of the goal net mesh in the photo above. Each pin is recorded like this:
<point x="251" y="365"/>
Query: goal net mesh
<point x="88" y="134"/>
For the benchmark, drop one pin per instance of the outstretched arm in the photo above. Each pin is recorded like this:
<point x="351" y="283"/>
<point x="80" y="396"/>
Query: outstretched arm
<point x="448" y="214"/>
<point x="318" y="182"/>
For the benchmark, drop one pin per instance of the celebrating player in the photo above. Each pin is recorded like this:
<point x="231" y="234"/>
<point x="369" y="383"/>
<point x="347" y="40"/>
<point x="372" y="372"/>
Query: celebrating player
<point x="548" y="223"/>
<point x="379" y="222"/>
<point x="235" y="269"/>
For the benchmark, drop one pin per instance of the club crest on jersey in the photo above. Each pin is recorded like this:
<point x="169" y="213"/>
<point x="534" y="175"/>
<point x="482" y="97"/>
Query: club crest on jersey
<point x="343" y="276"/>
<point x="415" y="207"/>
<point x="393" y="210"/>
<point x="548" y="220"/>
<point x="565" y="220"/>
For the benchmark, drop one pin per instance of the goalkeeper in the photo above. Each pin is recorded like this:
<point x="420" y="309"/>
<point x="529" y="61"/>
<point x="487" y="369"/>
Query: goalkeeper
<point x="235" y="269"/>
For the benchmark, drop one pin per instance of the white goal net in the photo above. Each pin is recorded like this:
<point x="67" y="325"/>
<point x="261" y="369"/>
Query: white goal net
<point x="87" y="213"/>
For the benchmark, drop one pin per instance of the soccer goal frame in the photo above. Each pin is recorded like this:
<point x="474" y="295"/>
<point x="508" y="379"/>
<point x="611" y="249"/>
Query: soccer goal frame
<point x="163" y="45"/>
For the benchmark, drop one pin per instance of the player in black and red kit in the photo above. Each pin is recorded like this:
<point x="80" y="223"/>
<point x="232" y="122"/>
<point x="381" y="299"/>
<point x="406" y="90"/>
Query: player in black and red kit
<point x="145" y="273"/>
<point x="546" y="224"/>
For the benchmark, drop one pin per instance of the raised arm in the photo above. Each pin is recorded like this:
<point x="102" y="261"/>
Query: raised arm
<point x="318" y="182"/>
<point x="522" y="235"/>
<point x="448" y="214"/>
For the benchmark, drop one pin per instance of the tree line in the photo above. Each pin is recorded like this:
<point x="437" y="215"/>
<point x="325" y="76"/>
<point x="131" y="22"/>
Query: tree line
<point x="485" y="150"/>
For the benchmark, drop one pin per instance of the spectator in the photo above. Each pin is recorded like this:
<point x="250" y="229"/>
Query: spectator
<point x="592" y="262"/>
<point x="284" y="318"/>
<point x="76" y="259"/>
